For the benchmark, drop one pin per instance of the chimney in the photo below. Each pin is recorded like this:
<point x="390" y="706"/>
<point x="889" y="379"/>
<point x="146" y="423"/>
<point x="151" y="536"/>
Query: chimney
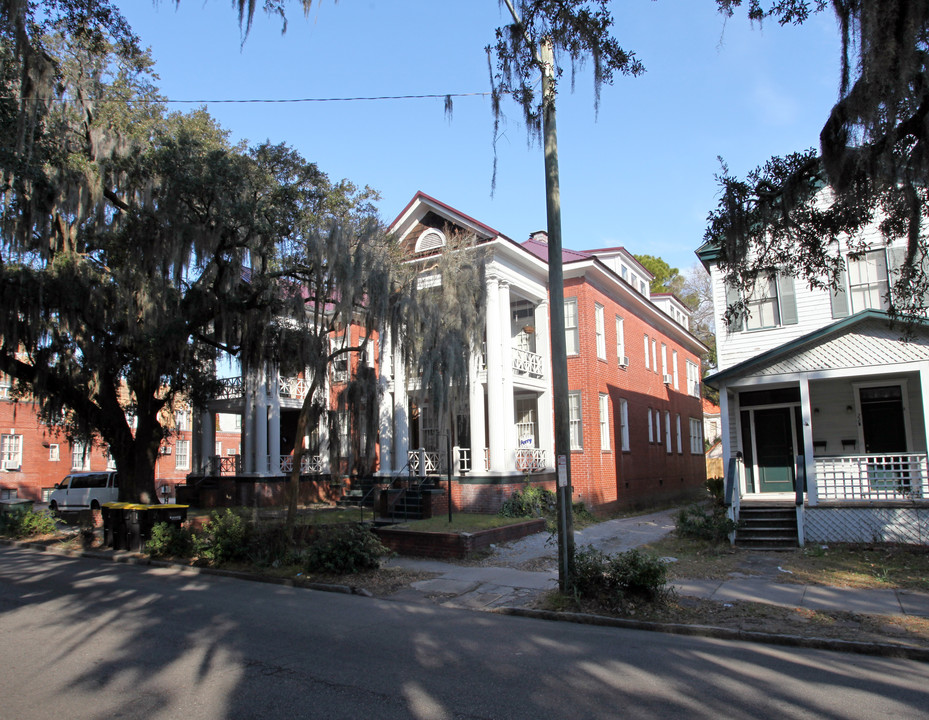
<point x="539" y="236"/>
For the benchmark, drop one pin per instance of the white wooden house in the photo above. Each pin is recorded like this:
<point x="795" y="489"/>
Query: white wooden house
<point x="825" y="404"/>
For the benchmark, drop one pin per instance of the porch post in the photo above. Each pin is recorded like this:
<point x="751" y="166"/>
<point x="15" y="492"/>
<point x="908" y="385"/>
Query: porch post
<point x="924" y="391"/>
<point x="806" y="413"/>
<point x="510" y="440"/>
<point x="248" y="422"/>
<point x="261" y="422"/>
<point x="274" y="421"/>
<point x="495" y="418"/>
<point x="385" y="434"/>
<point x="726" y="423"/>
<point x="207" y="440"/>
<point x="476" y="410"/>
<point x="401" y="410"/>
<point x="545" y="407"/>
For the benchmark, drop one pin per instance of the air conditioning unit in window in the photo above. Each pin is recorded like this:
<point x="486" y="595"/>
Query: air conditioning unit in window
<point x="624" y="362"/>
<point x="667" y="379"/>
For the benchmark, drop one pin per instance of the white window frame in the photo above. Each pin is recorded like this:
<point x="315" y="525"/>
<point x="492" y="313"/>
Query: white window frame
<point x="80" y="456"/>
<point x="6" y="386"/>
<point x="693" y="379"/>
<point x="600" y="329"/>
<point x="54" y="452"/>
<point x="674" y="368"/>
<point x="664" y="359"/>
<point x="575" y="420"/>
<point x="182" y="454"/>
<point x="868" y="281"/>
<point x="667" y="431"/>
<point x="572" y="338"/>
<point x="620" y="341"/>
<point x="624" y="423"/>
<point x="680" y="440"/>
<point x="11" y="451"/>
<point x="654" y="355"/>
<point x="658" y="426"/>
<point x="605" y="422"/>
<point x="651" y="427"/>
<point x="647" y="365"/>
<point x="696" y="437"/>
<point x="339" y="363"/>
<point x="182" y="420"/>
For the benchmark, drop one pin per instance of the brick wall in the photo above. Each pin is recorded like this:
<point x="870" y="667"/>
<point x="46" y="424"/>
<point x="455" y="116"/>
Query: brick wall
<point x="647" y="473"/>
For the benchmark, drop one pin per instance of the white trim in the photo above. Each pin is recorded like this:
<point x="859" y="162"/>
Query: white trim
<point x="902" y="383"/>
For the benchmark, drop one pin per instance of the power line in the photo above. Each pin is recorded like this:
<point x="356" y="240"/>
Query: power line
<point x="433" y="96"/>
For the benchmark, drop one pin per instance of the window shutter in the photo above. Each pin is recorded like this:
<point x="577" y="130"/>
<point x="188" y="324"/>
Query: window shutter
<point x="896" y="257"/>
<point x="732" y="297"/>
<point x="787" y="298"/>
<point x="840" y="296"/>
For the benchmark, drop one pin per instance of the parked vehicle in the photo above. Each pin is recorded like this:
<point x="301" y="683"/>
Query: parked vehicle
<point x="85" y="491"/>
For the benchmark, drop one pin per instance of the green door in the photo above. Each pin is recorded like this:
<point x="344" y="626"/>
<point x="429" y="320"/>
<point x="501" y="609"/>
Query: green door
<point x="774" y="450"/>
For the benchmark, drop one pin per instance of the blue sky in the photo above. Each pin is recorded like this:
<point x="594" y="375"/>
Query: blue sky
<point x="640" y="174"/>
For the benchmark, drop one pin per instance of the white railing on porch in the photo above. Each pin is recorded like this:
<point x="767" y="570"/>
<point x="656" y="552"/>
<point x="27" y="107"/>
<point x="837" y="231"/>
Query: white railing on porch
<point x="530" y="460"/>
<point x="292" y="387"/>
<point x="464" y="459"/>
<point x="425" y="462"/>
<point x="899" y="476"/>
<point x="527" y="363"/>
<point x="309" y="464"/>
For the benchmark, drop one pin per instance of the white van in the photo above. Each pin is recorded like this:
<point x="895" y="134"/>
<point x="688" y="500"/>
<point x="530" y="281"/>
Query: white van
<point x="84" y="491"/>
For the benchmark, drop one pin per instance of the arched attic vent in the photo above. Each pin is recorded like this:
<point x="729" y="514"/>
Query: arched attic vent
<point x="432" y="239"/>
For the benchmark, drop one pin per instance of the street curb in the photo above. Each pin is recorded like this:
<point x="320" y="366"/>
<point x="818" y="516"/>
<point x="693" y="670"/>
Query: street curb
<point x="848" y="646"/>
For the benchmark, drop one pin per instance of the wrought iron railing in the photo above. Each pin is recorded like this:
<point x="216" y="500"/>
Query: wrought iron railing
<point x="224" y="465"/>
<point x="898" y="476"/>
<point x="530" y="460"/>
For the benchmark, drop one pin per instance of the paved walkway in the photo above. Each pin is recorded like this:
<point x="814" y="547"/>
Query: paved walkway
<point x="503" y="580"/>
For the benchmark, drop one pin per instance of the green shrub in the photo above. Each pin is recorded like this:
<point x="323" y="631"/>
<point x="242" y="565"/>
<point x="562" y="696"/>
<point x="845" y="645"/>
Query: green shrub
<point x="531" y="501"/>
<point x="343" y="549"/>
<point x="620" y="581"/>
<point x="19" y="523"/>
<point x="696" y="522"/>
<point x="225" y="538"/>
<point x="716" y="487"/>
<point x="169" y="541"/>
<point x="273" y="545"/>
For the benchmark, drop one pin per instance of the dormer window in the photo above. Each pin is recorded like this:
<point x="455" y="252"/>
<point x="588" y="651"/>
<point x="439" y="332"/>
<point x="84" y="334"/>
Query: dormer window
<point x="432" y="239"/>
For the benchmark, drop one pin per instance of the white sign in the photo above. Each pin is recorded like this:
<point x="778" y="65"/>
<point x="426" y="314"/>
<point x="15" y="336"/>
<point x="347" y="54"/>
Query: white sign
<point x="562" y="471"/>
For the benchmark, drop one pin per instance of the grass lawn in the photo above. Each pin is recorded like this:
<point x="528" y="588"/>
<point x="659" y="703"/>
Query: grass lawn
<point x="461" y="522"/>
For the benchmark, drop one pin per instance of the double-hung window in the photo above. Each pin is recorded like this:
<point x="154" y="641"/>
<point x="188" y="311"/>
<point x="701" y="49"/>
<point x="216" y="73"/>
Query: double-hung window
<point x="696" y="436"/>
<point x="680" y="442"/>
<point x="647" y="364"/>
<point x="620" y="342"/>
<point x="867" y="281"/>
<point x="571" y="336"/>
<point x="667" y="431"/>
<point x="574" y="421"/>
<point x="693" y="379"/>
<point x="11" y="452"/>
<point x="674" y="368"/>
<point x="182" y="454"/>
<point x="654" y="355"/>
<point x="651" y="428"/>
<point x="604" y="422"/>
<point x="80" y="456"/>
<point x="769" y="303"/>
<point x="601" y="331"/>
<point x="624" y="424"/>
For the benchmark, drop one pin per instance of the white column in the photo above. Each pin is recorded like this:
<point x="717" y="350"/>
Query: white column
<point x="261" y="422"/>
<point x="806" y="414"/>
<point x="496" y="424"/>
<point x="324" y="456"/>
<point x="401" y="410"/>
<point x="207" y="439"/>
<point x="510" y="439"/>
<point x="726" y="430"/>
<point x="924" y="390"/>
<point x="546" y="399"/>
<point x="274" y="421"/>
<point x="249" y="381"/>
<point x="385" y="436"/>
<point x="476" y="410"/>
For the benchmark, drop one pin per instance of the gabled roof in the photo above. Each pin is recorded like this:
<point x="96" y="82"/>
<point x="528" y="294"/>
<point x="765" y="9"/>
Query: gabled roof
<point x="404" y="220"/>
<point x="710" y="408"/>
<point x="540" y="250"/>
<point x="879" y="344"/>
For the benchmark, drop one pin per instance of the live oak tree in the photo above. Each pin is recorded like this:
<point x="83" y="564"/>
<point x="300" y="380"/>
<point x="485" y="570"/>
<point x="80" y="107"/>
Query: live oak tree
<point x="871" y="169"/>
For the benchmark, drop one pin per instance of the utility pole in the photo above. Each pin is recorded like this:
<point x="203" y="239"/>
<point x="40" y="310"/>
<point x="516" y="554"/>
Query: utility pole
<point x="564" y="493"/>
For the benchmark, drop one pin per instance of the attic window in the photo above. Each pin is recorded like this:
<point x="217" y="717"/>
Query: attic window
<point x="432" y="239"/>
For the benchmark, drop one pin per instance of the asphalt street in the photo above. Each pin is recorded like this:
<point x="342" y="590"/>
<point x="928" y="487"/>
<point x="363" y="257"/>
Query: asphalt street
<point x="80" y="638"/>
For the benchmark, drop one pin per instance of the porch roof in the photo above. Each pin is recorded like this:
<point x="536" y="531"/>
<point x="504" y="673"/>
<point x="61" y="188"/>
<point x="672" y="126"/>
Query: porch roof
<point x="865" y="339"/>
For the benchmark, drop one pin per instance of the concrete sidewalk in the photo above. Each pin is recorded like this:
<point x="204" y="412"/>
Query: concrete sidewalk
<point x="500" y="579"/>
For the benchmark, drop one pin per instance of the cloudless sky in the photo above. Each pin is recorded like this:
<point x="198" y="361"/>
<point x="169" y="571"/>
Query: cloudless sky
<point x="640" y="173"/>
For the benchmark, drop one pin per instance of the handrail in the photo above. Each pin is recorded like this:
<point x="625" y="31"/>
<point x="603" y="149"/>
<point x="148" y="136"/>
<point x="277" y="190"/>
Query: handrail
<point x="800" y="481"/>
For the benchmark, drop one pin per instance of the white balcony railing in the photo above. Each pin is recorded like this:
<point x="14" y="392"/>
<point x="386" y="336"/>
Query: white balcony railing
<point x="530" y="460"/>
<point x="292" y="387"/>
<point x="309" y="464"/>
<point x="424" y="462"/>
<point x="900" y="476"/>
<point x="527" y="363"/>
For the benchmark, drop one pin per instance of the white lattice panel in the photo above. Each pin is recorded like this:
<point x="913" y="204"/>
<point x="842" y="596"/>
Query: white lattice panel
<point x="908" y="525"/>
